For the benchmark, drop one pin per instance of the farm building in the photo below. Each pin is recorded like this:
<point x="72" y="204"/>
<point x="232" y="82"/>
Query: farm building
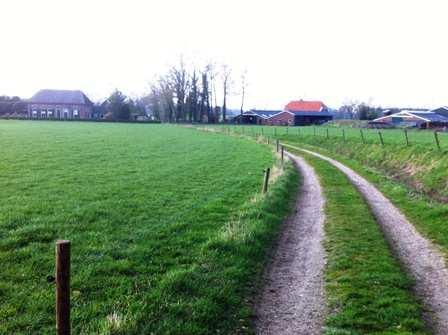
<point x="303" y="113"/>
<point x="407" y="118"/>
<point x="441" y="111"/>
<point x="255" y="116"/>
<point x="60" y="104"/>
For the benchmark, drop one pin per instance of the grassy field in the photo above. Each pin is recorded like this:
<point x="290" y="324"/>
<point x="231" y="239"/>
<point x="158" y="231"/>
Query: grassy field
<point x="420" y="165"/>
<point x="168" y="234"/>
<point x="367" y="291"/>
<point x="393" y="137"/>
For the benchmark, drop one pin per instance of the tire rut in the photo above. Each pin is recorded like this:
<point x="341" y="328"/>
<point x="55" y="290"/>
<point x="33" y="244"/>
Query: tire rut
<point x="293" y="300"/>
<point x="420" y="257"/>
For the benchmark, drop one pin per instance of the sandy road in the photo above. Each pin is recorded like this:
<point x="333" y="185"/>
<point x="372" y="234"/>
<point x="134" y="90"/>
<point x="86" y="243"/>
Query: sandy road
<point x="293" y="300"/>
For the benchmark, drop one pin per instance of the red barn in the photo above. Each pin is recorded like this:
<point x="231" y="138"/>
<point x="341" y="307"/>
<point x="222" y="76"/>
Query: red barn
<point x="308" y="112"/>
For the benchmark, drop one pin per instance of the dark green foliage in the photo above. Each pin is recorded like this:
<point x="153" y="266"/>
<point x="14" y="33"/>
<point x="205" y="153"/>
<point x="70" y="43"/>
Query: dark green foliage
<point x="117" y="106"/>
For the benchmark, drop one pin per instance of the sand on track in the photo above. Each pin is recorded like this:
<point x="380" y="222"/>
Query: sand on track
<point x="292" y="300"/>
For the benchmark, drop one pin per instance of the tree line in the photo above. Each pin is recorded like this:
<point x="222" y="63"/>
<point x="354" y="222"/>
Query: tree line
<point x="191" y="94"/>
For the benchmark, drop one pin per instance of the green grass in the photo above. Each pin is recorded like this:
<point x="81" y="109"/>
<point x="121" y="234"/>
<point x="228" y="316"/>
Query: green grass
<point x="396" y="137"/>
<point x="367" y="291"/>
<point x="167" y="233"/>
<point x="427" y="215"/>
<point x="420" y="165"/>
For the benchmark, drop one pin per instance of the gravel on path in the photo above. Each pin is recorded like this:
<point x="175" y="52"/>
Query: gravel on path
<point x="293" y="300"/>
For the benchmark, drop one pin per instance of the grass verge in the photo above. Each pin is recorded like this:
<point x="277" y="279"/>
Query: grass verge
<point x="426" y="214"/>
<point x="367" y="291"/>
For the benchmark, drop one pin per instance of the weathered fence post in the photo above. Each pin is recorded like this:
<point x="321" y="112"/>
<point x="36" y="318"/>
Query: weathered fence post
<point x="287" y="130"/>
<point x="328" y="135"/>
<point x="278" y="144"/>
<point x="268" y="140"/>
<point x="436" y="136"/>
<point x="343" y="134"/>
<point x="63" y="287"/>
<point x="262" y="133"/>
<point x="406" y="136"/>
<point x="283" y="149"/>
<point x="362" y="136"/>
<point x="275" y="131"/>
<point x="266" y="179"/>
<point x="381" y="137"/>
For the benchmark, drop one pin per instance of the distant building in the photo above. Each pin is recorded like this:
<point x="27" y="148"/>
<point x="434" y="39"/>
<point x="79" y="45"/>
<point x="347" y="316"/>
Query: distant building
<point x="302" y="113"/>
<point x="411" y="118"/>
<point x="255" y="116"/>
<point x="60" y="104"/>
<point x="441" y="110"/>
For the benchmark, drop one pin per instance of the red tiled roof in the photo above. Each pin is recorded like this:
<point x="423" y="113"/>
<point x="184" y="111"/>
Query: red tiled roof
<point x="305" y="106"/>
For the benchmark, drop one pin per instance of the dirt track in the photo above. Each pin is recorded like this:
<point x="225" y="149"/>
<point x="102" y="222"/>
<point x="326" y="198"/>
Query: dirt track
<point x="419" y="256"/>
<point x="293" y="301"/>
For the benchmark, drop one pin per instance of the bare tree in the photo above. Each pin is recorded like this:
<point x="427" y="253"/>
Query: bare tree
<point x="243" y="89"/>
<point x="204" y="106"/>
<point x="180" y="84"/>
<point x="211" y="74"/>
<point x="225" y="75"/>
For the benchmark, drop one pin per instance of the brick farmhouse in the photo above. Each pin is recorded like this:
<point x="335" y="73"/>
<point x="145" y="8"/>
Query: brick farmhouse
<point x="295" y="113"/>
<point x="60" y="104"/>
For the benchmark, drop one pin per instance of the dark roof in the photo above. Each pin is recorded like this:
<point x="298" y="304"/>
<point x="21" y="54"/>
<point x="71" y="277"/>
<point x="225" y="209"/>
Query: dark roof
<point x="60" y="97"/>
<point x="433" y="117"/>
<point x="306" y="113"/>
<point x="262" y="113"/>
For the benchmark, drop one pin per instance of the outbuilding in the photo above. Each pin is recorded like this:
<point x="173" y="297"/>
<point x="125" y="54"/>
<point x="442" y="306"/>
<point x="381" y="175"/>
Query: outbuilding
<point x="255" y="116"/>
<point x="308" y="112"/>
<point x="420" y="119"/>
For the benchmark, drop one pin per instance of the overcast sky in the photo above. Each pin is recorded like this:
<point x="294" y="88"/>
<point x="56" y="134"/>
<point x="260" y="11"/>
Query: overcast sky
<point x="387" y="52"/>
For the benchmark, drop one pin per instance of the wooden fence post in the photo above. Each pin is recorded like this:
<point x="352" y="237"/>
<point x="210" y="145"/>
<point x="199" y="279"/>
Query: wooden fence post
<point x="381" y="137"/>
<point x="362" y="136"/>
<point x="268" y="140"/>
<point x="278" y="144"/>
<point x="314" y="131"/>
<point x="63" y="287"/>
<point x="436" y="136"/>
<point x="328" y="135"/>
<point x="266" y="179"/>
<point x="283" y="154"/>
<point x="406" y="136"/>
<point x="275" y="131"/>
<point x="343" y="134"/>
<point x="287" y="130"/>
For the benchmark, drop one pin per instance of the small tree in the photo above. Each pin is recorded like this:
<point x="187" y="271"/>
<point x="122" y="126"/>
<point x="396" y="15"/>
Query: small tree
<point x="118" y="106"/>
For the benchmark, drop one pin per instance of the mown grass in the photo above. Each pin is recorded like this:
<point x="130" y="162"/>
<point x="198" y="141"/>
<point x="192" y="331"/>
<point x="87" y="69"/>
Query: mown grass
<point x="367" y="291"/>
<point x="167" y="235"/>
